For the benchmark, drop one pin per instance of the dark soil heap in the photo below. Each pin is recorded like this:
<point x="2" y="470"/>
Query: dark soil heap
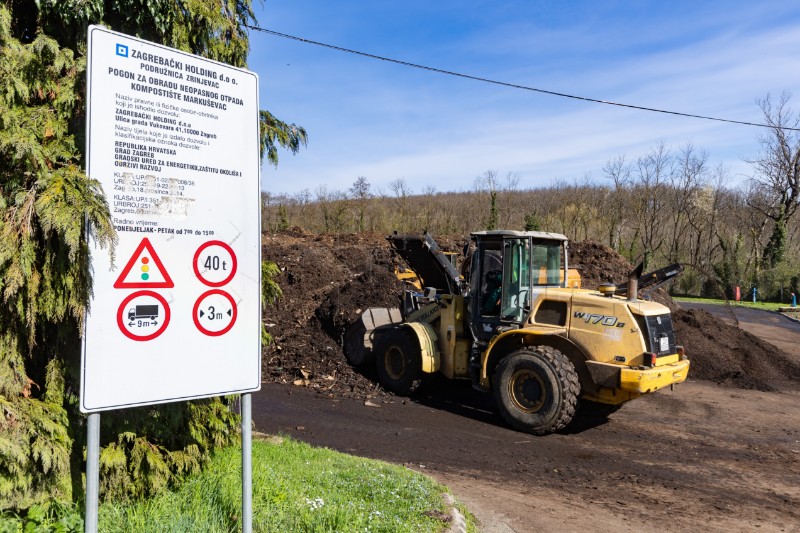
<point x="598" y="264"/>
<point x="328" y="281"/>
<point x="728" y="355"/>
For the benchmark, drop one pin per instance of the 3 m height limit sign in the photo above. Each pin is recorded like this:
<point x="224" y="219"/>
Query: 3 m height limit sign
<point x="173" y="139"/>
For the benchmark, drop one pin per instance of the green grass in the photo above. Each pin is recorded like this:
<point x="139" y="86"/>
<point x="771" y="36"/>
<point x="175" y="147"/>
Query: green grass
<point x="53" y="516"/>
<point x="764" y="306"/>
<point x="295" y="488"/>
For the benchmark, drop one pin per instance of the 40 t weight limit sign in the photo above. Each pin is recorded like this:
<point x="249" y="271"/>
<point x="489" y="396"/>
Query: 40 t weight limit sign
<point x="214" y="311"/>
<point x="214" y="263"/>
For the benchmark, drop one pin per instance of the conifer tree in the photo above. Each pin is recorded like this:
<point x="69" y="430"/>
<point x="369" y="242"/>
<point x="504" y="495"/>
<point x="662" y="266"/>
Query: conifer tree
<point x="46" y="202"/>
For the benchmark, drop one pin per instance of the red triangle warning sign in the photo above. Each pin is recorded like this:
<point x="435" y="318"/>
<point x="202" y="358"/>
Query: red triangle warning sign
<point x="144" y="270"/>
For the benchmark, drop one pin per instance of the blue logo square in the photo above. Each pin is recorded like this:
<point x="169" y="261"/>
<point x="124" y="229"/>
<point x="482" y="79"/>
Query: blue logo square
<point x="122" y="50"/>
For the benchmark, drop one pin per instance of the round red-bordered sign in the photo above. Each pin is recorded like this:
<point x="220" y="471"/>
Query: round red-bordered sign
<point x="199" y="275"/>
<point x="196" y="313"/>
<point x="121" y="312"/>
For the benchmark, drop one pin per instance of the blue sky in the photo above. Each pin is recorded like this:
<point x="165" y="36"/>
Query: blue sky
<point x="383" y="121"/>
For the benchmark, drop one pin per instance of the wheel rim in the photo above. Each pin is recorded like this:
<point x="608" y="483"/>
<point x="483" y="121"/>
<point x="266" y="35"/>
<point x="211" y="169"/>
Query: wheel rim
<point x="527" y="391"/>
<point x="394" y="362"/>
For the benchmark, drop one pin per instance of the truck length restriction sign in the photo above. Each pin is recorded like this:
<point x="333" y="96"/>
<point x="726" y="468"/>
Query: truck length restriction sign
<point x="173" y="140"/>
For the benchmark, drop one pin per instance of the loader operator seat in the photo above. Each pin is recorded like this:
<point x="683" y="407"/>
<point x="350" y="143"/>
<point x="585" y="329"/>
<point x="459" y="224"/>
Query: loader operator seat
<point x="490" y="305"/>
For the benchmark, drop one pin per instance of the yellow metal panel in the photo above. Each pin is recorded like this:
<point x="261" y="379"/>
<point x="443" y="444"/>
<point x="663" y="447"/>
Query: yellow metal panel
<point x="612" y="396"/>
<point x="522" y="333"/>
<point x="630" y="383"/>
<point x="652" y="379"/>
<point x="604" y="328"/>
<point x="573" y="279"/>
<point x="540" y="329"/>
<point x="408" y="276"/>
<point x="447" y="347"/>
<point x="668" y="359"/>
<point x="427" y="313"/>
<point x="449" y="331"/>
<point x="427" y="344"/>
<point x="646" y="308"/>
<point x="461" y="359"/>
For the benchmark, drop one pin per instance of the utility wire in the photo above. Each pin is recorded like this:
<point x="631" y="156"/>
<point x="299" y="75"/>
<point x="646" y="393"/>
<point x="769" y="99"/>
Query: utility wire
<point x="512" y="85"/>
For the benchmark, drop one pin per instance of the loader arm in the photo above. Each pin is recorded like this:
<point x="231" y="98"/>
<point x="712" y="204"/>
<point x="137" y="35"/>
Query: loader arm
<point x="428" y="261"/>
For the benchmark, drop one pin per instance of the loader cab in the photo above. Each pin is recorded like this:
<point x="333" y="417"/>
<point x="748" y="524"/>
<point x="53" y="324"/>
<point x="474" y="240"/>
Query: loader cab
<point x="524" y="264"/>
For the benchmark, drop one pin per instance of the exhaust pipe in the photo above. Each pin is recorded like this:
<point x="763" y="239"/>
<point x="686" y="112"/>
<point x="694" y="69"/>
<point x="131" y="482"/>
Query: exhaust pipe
<point x="633" y="282"/>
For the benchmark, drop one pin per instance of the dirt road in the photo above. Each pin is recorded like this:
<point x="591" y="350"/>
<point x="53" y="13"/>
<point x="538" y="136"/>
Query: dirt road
<point x="701" y="457"/>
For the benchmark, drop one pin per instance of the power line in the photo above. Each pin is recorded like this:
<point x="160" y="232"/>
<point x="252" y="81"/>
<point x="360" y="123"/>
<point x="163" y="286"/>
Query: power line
<point x="512" y="85"/>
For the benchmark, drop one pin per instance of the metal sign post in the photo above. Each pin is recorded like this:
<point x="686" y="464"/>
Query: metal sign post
<point x="173" y="139"/>
<point x="92" y="472"/>
<point x="247" y="467"/>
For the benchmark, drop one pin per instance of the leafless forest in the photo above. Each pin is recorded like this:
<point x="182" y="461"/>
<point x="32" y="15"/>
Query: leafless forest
<point x="671" y="204"/>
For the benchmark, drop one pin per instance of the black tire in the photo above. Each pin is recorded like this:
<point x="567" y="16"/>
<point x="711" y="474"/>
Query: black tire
<point x="536" y="390"/>
<point x="398" y="361"/>
<point x="354" y="350"/>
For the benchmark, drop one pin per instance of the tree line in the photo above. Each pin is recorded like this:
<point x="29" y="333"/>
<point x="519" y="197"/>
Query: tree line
<point x="670" y="204"/>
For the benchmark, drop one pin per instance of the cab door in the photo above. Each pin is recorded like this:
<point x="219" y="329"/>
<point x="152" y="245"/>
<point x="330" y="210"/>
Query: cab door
<point x="487" y="266"/>
<point x="502" y="284"/>
<point x="516" y="293"/>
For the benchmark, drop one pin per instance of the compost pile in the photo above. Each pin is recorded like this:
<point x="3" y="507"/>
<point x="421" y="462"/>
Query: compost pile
<point x="329" y="280"/>
<point x="598" y="264"/>
<point x="730" y="356"/>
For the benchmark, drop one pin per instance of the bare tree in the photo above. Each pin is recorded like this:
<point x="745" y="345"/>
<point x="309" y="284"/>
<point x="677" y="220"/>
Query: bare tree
<point x="430" y="210"/>
<point x="778" y="173"/>
<point x="651" y="177"/>
<point x="617" y="205"/>
<point x="401" y="192"/>
<point x="486" y="182"/>
<point x="510" y="203"/>
<point x="688" y="178"/>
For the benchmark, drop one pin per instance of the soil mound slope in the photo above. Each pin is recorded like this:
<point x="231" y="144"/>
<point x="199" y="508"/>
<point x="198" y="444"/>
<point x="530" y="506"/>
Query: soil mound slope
<point x="728" y="355"/>
<point x="328" y="281"/>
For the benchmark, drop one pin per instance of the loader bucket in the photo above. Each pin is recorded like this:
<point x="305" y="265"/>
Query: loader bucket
<point x="359" y="338"/>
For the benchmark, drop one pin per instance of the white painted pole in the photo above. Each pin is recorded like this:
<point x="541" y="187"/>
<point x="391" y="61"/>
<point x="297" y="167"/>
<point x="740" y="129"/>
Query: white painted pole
<point x="92" y="472"/>
<point x="247" y="465"/>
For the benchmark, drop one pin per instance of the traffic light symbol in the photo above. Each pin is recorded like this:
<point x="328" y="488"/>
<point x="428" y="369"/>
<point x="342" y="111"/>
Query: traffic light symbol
<point x="145" y="268"/>
<point x="150" y="274"/>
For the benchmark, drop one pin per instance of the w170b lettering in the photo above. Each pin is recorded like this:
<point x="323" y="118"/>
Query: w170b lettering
<point x="603" y="320"/>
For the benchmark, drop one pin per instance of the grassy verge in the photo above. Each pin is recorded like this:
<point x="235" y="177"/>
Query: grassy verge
<point x="764" y="306"/>
<point x="296" y="488"/>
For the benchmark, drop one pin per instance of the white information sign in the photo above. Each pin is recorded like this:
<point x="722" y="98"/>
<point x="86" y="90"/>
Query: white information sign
<point x="173" y="139"/>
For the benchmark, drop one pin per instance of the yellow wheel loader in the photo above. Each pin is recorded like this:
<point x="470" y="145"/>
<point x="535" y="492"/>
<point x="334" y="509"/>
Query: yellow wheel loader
<point x="519" y="324"/>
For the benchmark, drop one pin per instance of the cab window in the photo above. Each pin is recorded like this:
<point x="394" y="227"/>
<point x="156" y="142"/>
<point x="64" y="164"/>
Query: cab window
<point x="516" y="278"/>
<point x="547" y="261"/>
<point x="490" y="280"/>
